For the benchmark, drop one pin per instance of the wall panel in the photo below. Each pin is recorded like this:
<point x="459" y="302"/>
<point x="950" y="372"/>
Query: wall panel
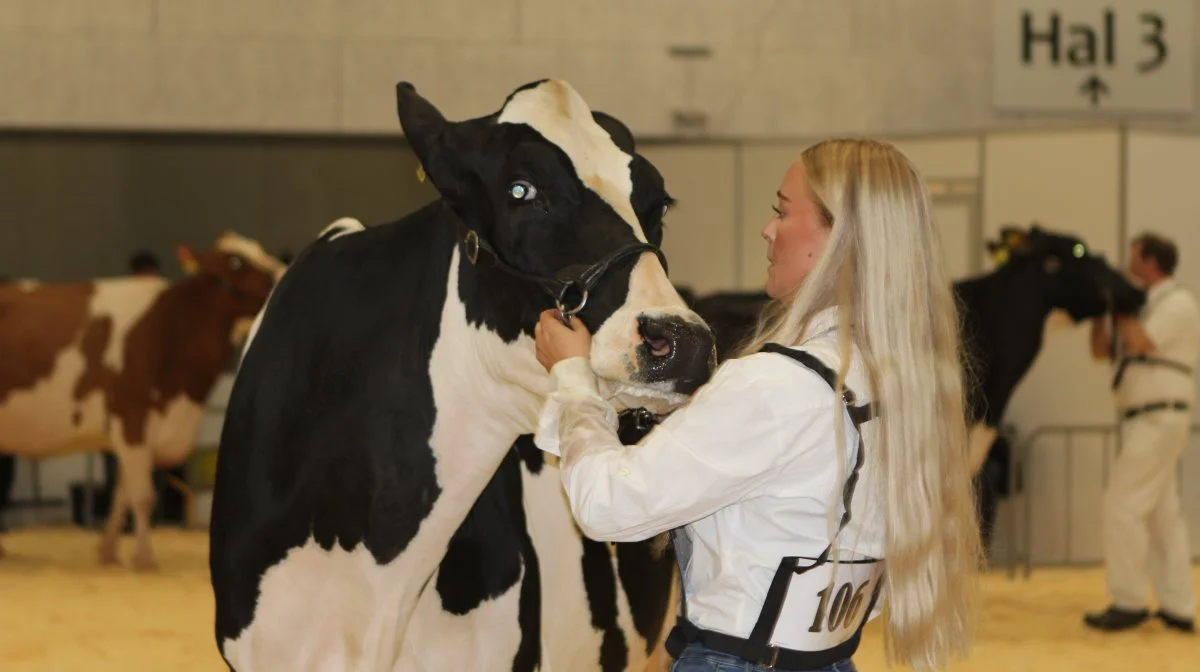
<point x="777" y="69"/>
<point x="700" y="238"/>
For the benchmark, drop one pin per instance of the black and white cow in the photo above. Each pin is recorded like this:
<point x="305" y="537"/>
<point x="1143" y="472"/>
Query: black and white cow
<point x="1003" y="315"/>
<point x="385" y="383"/>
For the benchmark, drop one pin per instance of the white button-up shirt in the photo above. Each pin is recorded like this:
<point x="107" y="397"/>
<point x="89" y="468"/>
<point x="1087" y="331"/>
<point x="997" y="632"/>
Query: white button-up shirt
<point x="749" y="468"/>
<point x="1172" y="322"/>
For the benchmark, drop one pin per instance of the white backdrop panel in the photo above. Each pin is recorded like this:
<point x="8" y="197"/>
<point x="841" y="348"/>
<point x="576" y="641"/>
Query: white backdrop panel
<point x="955" y="157"/>
<point x="700" y="238"/>
<point x="954" y="219"/>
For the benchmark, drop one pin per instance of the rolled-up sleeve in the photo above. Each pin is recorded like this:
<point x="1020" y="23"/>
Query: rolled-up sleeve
<point x="723" y="445"/>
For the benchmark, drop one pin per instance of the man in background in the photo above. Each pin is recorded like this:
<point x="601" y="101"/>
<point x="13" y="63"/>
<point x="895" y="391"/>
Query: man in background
<point x="1145" y="534"/>
<point x="143" y="262"/>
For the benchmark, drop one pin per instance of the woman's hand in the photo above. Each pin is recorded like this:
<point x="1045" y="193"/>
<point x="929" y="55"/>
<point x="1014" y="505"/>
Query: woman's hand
<point x="556" y="342"/>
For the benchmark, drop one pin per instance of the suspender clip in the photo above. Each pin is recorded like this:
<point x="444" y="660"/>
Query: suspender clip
<point x="774" y="650"/>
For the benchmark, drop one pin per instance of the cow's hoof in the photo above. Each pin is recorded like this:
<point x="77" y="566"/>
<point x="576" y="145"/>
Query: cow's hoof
<point x="144" y="562"/>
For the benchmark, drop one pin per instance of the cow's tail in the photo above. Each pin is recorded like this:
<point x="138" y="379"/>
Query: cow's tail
<point x="340" y="227"/>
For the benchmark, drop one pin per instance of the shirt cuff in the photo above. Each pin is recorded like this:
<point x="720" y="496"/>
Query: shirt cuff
<point x="574" y="373"/>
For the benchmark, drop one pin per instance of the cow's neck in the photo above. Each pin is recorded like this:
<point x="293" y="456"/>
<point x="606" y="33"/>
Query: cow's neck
<point x="488" y="386"/>
<point x="1008" y="319"/>
<point x="194" y="324"/>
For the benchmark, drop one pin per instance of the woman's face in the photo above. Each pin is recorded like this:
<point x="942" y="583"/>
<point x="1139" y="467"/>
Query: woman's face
<point x="795" y="236"/>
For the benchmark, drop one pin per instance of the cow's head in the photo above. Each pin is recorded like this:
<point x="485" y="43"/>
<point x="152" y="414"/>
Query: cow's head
<point x="1072" y="278"/>
<point x="555" y="196"/>
<point x="237" y="265"/>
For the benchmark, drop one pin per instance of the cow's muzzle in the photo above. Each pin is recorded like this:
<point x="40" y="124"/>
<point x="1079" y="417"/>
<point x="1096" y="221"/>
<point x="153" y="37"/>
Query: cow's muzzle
<point x="677" y="350"/>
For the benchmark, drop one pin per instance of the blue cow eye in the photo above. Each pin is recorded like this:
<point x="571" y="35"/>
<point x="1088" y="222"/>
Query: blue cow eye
<point x="522" y="191"/>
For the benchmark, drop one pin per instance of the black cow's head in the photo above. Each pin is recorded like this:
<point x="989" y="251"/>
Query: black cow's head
<point x="556" y="196"/>
<point x="1072" y="278"/>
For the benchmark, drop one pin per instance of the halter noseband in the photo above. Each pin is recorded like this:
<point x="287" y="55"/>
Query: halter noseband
<point x="558" y="290"/>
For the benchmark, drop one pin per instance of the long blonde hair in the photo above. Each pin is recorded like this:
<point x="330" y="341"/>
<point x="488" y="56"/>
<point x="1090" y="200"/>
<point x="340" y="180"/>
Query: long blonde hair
<point x="882" y="267"/>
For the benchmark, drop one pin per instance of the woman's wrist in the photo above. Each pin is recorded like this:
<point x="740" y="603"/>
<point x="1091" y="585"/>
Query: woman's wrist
<point x="574" y="373"/>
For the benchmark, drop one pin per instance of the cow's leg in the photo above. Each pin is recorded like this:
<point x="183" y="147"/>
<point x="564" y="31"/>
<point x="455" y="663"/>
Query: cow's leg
<point x="137" y="467"/>
<point x="8" y="470"/>
<point x="115" y="523"/>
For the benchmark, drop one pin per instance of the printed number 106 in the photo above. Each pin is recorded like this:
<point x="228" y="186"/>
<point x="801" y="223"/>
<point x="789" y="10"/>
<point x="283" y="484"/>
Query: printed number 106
<point x="845" y="607"/>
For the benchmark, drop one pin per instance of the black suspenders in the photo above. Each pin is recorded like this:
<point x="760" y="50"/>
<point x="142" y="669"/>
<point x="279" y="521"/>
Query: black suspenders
<point x="1146" y="359"/>
<point x="757" y="647"/>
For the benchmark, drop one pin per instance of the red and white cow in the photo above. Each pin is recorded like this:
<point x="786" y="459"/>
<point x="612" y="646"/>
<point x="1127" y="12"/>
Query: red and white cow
<point x="125" y="364"/>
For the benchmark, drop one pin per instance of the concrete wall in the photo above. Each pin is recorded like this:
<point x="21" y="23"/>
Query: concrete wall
<point x="779" y="68"/>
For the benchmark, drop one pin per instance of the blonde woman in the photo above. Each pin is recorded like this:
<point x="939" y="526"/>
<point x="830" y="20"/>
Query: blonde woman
<point x="823" y="472"/>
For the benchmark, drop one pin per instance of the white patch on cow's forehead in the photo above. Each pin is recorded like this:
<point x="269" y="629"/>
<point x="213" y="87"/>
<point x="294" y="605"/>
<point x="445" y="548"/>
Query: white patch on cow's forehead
<point x="560" y="114"/>
<point x="232" y="243"/>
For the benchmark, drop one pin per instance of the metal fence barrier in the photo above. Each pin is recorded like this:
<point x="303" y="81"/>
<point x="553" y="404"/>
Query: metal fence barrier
<point x="1020" y="554"/>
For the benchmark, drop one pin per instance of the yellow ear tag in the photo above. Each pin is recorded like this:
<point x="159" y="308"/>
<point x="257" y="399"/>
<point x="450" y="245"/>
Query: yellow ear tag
<point x="420" y="173"/>
<point x="1000" y="256"/>
<point x="190" y="265"/>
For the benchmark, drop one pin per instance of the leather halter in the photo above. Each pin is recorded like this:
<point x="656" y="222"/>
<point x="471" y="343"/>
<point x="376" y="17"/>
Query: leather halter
<point x="558" y="289"/>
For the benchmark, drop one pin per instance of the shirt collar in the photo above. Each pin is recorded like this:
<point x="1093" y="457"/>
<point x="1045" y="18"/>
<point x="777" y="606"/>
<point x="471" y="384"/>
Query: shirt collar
<point x="821" y="322"/>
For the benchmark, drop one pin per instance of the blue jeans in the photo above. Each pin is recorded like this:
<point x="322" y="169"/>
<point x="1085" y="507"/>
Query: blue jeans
<point x="696" y="658"/>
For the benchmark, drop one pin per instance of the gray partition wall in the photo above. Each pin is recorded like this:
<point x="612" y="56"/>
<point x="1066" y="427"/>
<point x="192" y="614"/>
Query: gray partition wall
<point x="75" y="205"/>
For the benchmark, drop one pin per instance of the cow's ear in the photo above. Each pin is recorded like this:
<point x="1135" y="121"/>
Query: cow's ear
<point x="998" y="251"/>
<point x="1016" y="240"/>
<point x="618" y="131"/>
<point x="428" y="132"/>
<point x="187" y="259"/>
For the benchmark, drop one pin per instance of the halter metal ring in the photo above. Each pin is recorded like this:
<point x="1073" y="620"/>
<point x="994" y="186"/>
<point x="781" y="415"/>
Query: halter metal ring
<point x="568" y="312"/>
<point x="472" y="244"/>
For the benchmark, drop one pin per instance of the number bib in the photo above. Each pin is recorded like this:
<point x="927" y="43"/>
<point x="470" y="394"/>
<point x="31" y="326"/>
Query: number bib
<point x="826" y="604"/>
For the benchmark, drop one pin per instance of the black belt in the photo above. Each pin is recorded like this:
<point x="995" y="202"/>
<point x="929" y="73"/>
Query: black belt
<point x="1155" y="406"/>
<point x="780" y="659"/>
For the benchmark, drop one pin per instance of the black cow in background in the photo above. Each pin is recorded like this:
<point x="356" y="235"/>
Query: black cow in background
<point x="1003" y="316"/>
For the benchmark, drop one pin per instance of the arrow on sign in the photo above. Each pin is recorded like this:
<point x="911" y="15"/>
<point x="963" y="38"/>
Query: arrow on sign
<point x="1094" y="87"/>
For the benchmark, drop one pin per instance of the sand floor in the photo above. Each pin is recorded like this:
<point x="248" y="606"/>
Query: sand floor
<point x="61" y="611"/>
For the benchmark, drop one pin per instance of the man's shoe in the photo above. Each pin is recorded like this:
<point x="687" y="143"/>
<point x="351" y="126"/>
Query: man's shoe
<point x="1114" y="619"/>
<point x="1176" y="623"/>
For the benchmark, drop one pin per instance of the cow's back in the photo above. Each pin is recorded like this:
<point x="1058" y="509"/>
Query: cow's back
<point x="60" y="344"/>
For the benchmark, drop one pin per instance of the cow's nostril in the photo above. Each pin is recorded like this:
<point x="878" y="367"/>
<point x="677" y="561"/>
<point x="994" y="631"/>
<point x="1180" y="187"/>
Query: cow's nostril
<point x="659" y="347"/>
<point x="657" y="337"/>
